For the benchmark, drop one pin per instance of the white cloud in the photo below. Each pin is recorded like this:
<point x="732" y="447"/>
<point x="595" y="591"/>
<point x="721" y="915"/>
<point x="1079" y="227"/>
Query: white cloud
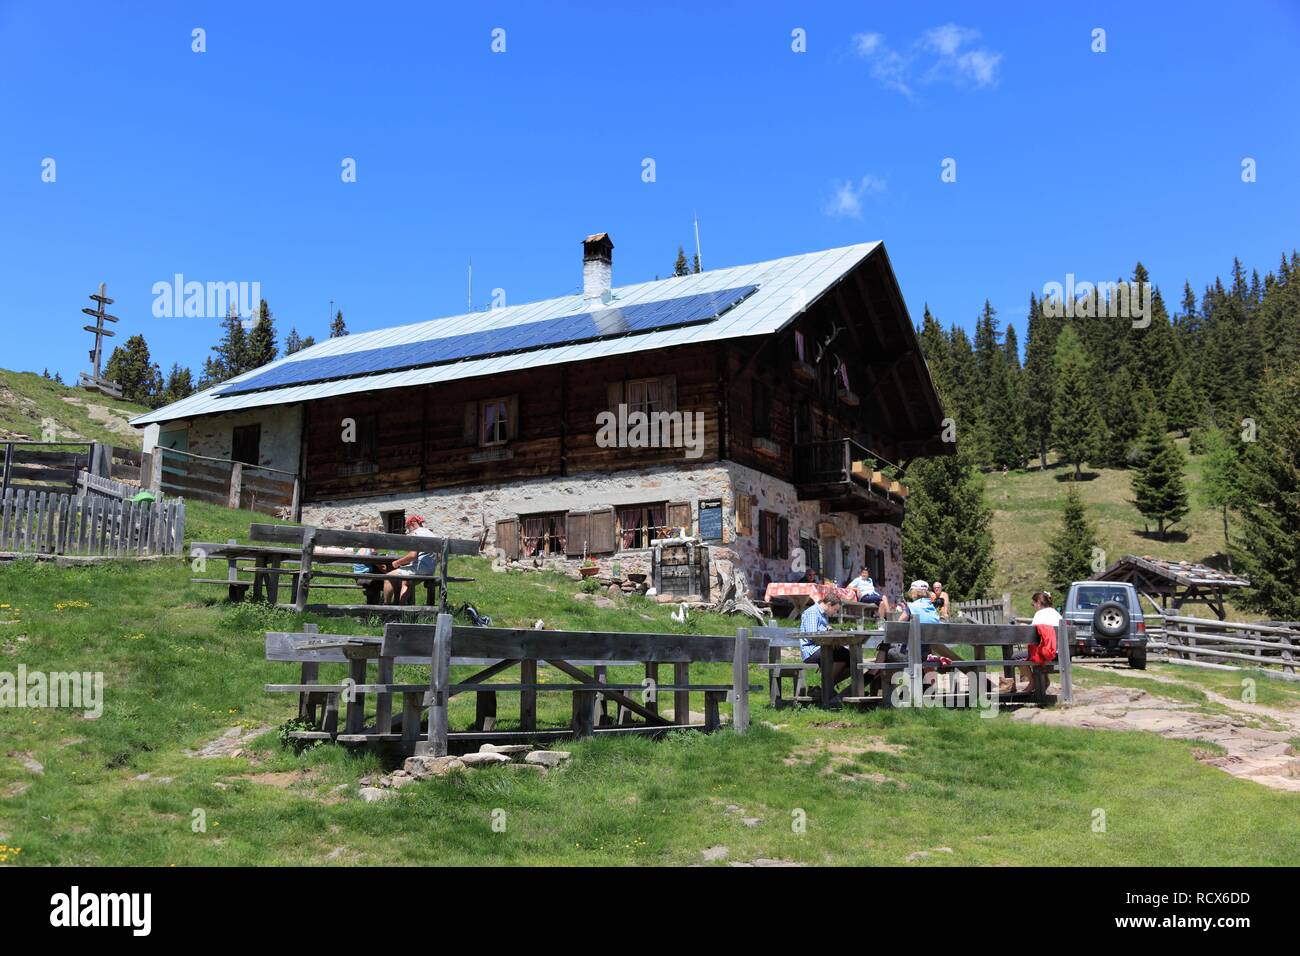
<point x="942" y="54"/>
<point x="846" y="203"/>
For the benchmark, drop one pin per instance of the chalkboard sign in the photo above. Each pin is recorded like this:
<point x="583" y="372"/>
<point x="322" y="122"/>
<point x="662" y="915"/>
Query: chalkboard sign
<point x="710" y="520"/>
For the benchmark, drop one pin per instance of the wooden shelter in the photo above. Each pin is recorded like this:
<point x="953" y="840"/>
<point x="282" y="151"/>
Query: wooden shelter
<point x="1171" y="584"/>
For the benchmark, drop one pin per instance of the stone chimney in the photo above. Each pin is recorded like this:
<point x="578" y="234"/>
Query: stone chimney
<point x="597" y="265"/>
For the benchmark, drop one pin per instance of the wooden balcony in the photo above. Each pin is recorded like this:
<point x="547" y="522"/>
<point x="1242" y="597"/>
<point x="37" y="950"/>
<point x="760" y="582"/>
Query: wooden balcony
<point x="833" y="473"/>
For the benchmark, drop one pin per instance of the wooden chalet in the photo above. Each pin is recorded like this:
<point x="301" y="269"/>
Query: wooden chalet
<point x="794" y="384"/>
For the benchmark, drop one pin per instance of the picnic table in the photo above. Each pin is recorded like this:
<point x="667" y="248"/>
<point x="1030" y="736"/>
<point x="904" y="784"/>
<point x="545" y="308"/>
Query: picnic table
<point x="802" y="594"/>
<point x="317" y="549"/>
<point x="829" y="642"/>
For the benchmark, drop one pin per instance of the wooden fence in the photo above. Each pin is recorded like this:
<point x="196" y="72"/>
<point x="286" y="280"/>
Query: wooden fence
<point x="46" y="523"/>
<point x="221" y="481"/>
<point x="1206" y="641"/>
<point x="56" y="466"/>
<point x="987" y="610"/>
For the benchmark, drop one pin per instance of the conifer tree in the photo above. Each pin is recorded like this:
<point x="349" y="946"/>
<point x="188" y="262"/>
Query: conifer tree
<point x="1039" y="380"/>
<point x="179" y="384"/>
<point x="1159" y="491"/>
<point x="948" y="533"/>
<point x="337" y="327"/>
<point x="1076" y="421"/>
<point x="292" y="342"/>
<point x="680" y="267"/>
<point x="260" y="346"/>
<point x="1268" y="544"/>
<point x="130" y="367"/>
<point x="1220" y="487"/>
<point x="1070" y="556"/>
<point x="1180" y="402"/>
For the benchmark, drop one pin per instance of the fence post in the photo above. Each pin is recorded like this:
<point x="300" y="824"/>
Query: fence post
<point x="296" y="505"/>
<point x="439" y="681"/>
<point x="304" y="567"/>
<point x="8" y="469"/>
<point x="1006" y="607"/>
<point x="914" y="660"/>
<point x="740" y="682"/>
<point x="155" y="471"/>
<point x="1064" y="636"/>
<point x="236" y="484"/>
<point x="101" y="460"/>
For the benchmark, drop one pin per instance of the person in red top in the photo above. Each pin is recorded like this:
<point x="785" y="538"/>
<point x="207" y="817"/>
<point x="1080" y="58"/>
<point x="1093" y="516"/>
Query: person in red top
<point x="1043" y="651"/>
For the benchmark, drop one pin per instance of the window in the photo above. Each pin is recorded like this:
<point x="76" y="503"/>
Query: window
<point x="245" y="442"/>
<point x="542" y="534"/>
<point x="638" y="525"/>
<point x="762" y="424"/>
<point x="875" y="562"/>
<point x="643" y="395"/>
<point x="359" y="456"/>
<point x="494" y="427"/>
<point x="812" y="554"/>
<point x="394" y="522"/>
<point x="773" y="535"/>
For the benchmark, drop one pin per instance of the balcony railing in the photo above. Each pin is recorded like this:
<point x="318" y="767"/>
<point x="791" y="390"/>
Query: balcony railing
<point x="829" y="462"/>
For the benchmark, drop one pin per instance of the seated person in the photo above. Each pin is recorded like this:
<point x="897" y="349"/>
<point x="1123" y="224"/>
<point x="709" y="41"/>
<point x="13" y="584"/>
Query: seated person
<point x="939" y="598"/>
<point x="815" y="620"/>
<point x="867" y="593"/>
<point x="413" y="562"/>
<point x="372" y="587"/>
<point x="920" y="606"/>
<point x="1039" y="652"/>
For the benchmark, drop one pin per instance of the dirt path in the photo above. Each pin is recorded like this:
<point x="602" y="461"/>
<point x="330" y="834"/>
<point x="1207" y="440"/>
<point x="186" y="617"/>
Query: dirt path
<point x="1265" y="756"/>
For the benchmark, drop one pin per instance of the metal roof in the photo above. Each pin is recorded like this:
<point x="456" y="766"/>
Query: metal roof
<point x="785" y="288"/>
<point x="1182" y="573"/>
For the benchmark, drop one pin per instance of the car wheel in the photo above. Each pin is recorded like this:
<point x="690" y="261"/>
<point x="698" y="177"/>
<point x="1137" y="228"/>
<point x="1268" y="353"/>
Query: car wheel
<point x="1138" y="660"/>
<point x="1111" y="620"/>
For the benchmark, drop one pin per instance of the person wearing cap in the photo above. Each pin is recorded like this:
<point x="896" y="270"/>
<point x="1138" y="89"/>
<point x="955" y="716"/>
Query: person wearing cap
<point x="411" y="563"/>
<point x="920" y="603"/>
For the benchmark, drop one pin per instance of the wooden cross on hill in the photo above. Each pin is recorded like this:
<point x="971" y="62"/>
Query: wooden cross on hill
<point x="94" y="381"/>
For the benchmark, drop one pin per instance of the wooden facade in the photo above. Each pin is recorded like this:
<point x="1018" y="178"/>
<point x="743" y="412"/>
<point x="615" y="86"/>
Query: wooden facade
<point x="849" y="367"/>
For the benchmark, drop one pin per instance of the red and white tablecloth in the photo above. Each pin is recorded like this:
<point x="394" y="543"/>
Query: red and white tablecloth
<point x="809" y="592"/>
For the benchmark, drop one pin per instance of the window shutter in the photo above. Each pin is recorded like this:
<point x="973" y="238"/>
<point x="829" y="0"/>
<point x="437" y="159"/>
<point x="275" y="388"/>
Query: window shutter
<point x="471" y="423"/>
<point x="602" y="531"/>
<point x="668" y="393"/>
<point x="512" y="416"/>
<point x="577" y="533"/>
<point x="679" y="515"/>
<point x="743" y="517"/>
<point x="782" y="537"/>
<point x="508" y="537"/>
<point x="614" y="396"/>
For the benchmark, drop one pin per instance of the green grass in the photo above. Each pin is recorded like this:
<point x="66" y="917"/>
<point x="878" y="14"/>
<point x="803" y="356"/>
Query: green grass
<point x="27" y="400"/>
<point x="1027" y="507"/>
<point x="180" y="667"/>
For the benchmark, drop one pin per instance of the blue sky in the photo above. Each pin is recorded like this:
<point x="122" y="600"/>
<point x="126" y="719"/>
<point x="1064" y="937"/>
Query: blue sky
<point x="225" y="165"/>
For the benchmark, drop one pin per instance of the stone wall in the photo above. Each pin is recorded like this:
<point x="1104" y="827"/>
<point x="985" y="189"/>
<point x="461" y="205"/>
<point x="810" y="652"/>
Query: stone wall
<point x="473" y="511"/>
<point x="281" y="437"/>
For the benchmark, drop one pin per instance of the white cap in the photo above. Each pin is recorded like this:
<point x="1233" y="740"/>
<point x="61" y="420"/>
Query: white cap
<point x="919" y="585"/>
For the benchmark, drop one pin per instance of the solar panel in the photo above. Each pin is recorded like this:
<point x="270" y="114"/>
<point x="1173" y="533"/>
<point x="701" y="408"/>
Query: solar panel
<point x="603" y="323"/>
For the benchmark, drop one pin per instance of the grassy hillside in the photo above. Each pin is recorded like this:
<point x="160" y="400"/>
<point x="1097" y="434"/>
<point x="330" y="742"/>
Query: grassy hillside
<point x="920" y="787"/>
<point x="27" y="400"/>
<point x="1027" y="509"/>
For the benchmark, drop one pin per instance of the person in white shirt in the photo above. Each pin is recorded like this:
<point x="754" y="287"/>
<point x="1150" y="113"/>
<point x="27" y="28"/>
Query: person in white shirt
<point x="867" y="593"/>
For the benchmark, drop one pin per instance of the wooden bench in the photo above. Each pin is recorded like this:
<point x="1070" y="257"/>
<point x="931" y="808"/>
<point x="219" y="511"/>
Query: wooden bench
<point x="778" y="639"/>
<point x="494" y="650"/>
<point x="916" y="637"/>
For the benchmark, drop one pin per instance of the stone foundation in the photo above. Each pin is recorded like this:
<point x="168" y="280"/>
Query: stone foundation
<point x="472" y="512"/>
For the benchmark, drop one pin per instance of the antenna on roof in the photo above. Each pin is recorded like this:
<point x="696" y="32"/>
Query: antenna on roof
<point x="698" y="257"/>
<point x="469" y="288"/>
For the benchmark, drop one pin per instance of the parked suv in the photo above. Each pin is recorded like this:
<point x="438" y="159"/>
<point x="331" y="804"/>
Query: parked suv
<point x="1107" y="621"/>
